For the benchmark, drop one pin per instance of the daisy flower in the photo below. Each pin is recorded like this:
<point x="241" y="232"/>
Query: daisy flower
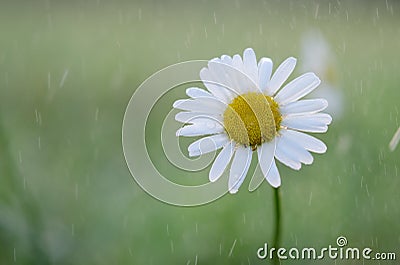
<point x="245" y="110"/>
<point x="317" y="56"/>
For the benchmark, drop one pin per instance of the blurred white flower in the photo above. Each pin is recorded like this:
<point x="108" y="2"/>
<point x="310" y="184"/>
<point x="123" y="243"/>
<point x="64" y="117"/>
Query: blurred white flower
<point x="246" y="110"/>
<point x="318" y="57"/>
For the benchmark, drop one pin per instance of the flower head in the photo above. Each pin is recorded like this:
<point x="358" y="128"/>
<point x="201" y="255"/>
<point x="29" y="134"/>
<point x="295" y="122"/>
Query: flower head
<point x="317" y="56"/>
<point x="245" y="110"/>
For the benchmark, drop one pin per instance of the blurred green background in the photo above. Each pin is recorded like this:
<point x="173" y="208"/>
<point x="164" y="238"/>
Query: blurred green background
<point x="67" y="72"/>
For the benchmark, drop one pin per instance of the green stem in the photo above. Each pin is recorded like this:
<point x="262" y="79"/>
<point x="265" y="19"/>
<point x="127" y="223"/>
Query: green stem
<point x="277" y="235"/>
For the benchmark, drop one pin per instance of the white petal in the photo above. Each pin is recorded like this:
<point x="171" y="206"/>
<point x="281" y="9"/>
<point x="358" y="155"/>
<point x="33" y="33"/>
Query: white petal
<point x="237" y="62"/>
<point x="306" y="106"/>
<point x="298" y="88"/>
<point x="225" y="74"/>
<point x="195" y="92"/>
<point x="216" y="59"/>
<point x="203" y="104"/>
<point x="284" y="155"/>
<point x="256" y="179"/>
<point x="266" y="154"/>
<point x="222" y="74"/>
<point x="188" y="116"/>
<point x="264" y="72"/>
<point x="226" y="59"/>
<point x="250" y="64"/>
<point x="228" y="78"/>
<point x="291" y="153"/>
<point x="199" y="127"/>
<point x="307" y="141"/>
<point x="221" y="162"/>
<point x="207" y="144"/>
<point x="281" y="75"/>
<point x="211" y="83"/>
<point x="241" y="81"/>
<point x="207" y="122"/>
<point x="294" y="147"/>
<point x="317" y="123"/>
<point x="240" y="78"/>
<point x="240" y="165"/>
<point x="273" y="176"/>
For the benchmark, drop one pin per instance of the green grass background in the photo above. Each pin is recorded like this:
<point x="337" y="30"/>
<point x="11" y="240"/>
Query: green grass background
<point x="67" y="72"/>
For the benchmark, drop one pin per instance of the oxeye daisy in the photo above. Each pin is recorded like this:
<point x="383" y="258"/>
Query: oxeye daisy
<point x="317" y="56"/>
<point x="245" y="110"/>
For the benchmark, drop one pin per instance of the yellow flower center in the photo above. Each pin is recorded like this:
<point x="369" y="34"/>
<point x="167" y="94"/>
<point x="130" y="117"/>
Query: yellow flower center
<point x="252" y="119"/>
